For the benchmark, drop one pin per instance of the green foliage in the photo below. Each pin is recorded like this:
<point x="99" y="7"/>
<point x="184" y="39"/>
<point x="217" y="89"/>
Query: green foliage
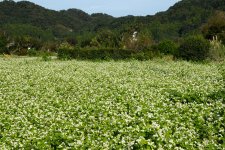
<point x="3" y="43"/>
<point x="142" y="56"/>
<point x="190" y="97"/>
<point x="167" y="47"/>
<point x="65" y="51"/>
<point x="46" y="57"/>
<point x="217" y="50"/>
<point x="105" y="39"/>
<point x="22" y="44"/>
<point x="65" y="54"/>
<point x="32" y="52"/>
<point x="215" y="27"/>
<point x="156" y="30"/>
<point x="72" y="41"/>
<point x="60" y="23"/>
<point x="181" y="19"/>
<point x="50" y="46"/>
<point x="142" y="41"/>
<point x="222" y="71"/>
<point x="110" y="105"/>
<point x="220" y="94"/>
<point x="85" y="39"/>
<point x="194" y="48"/>
<point x="104" y="54"/>
<point x="46" y="28"/>
<point x="27" y="30"/>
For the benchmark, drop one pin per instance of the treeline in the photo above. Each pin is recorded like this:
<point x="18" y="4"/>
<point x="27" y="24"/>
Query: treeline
<point x="188" y="30"/>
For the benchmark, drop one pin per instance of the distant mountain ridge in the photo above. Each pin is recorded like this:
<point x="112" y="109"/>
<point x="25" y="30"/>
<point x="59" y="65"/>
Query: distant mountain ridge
<point x="184" y="17"/>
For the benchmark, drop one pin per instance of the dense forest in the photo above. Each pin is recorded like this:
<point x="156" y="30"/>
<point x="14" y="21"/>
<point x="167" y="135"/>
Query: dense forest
<point x="191" y="29"/>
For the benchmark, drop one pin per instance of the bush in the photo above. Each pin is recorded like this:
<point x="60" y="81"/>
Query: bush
<point x="215" y="26"/>
<point x="194" y="48"/>
<point x="103" y="54"/>
<point x="20" y="52"/>
<point x="46" y="57"/>
<point x="22" y="45"/>
<point x="3" y="43"/>
<point x="167" y="47"/>
<point x="32" y="52"/>
<point x="50" y="46"/>
<point x="65" y="54"/>
<point x="105" y="38"/>
<point x="65" y="51"/>
<point x="217" y="50"/>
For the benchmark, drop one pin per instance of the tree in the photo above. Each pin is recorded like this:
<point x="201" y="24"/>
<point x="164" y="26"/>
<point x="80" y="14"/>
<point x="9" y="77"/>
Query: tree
<point x="105" y="39"/>
<point x="215" y="27"/>
<point x="137" y="40"/>
<point x="194" y="48"/>
<point x="3" y="43"/>
<point x="167" y="47"/>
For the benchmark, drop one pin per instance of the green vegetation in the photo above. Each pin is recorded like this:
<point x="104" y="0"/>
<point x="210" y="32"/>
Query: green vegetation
<point x="215" y="27"/>
<point x="3" y="43"/>
<point x="121" y="103"/>
<point x="217" y="50"/>
<point x="194" y="48"/>
<point x="30" y="26"/>
<point x="111" y="105"/>
<point x="167" y="47"/>
<point x="103" y="54"/>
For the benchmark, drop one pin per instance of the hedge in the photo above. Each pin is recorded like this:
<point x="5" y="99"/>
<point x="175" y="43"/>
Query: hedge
<point x="104" y="54"/>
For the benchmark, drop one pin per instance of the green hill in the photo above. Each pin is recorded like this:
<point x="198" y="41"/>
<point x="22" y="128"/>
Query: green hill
<point x="26" y="18"/>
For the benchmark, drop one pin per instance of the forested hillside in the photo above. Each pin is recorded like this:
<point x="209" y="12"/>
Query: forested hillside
<point x="38" y="27"/>
<point x="59" y="24"/>
<point x="183" y="17"/>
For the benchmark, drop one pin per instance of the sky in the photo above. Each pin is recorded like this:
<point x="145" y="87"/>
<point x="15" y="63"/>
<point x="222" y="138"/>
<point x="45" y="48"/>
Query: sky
<point x="116" y="8"/>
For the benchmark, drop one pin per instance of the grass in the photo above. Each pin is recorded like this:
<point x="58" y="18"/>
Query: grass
<point x="110" y="105"/>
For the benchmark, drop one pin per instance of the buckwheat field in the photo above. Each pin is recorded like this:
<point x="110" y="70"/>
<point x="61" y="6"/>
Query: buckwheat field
<point x="111" y="105"/>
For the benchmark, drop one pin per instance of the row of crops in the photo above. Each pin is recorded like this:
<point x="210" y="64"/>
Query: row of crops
<point x="111" y="105"/>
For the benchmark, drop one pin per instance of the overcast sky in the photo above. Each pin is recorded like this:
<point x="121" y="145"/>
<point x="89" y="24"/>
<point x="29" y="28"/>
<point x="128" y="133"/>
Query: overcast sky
<point x="112" y="7"/>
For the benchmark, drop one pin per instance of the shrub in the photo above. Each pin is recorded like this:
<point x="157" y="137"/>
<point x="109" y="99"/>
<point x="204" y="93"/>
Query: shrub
<point x="139" y="56"/>
<point x="103" y="54"/>
<point x="215" y="26"/>
<point x="139" y="43"/>
<point x="22" y="44"/>
<point x="222" y="71"/>
<point x="50" y="46"/>
<point x="3" y="43"/>
<point x="65" y="54"/>
<point x="65" y="51"/>
<point x="20" y="51"/>
<point x="194" y="48"/>
<point x="217" y="50"/>
<point x="105" y="38"/>
<point x="32" y="52"/>
<point x="46" y="57"/>
<point x="167" y="47"/>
